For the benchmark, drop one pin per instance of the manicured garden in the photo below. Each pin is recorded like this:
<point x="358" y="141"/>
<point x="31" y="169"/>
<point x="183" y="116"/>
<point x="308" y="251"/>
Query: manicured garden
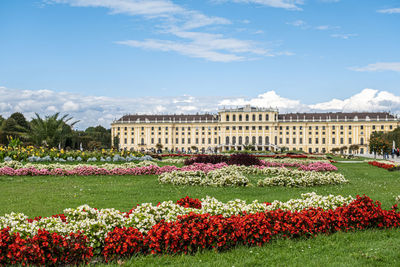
<point x="310" y="223"/>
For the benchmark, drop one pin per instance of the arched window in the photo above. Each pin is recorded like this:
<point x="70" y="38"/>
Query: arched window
<point x="240" y="117"/>
<point x="254" y="117"/>
<point x="233" y="117"/>
<point x="276" y="140"/>
<point x="362" y="141"/>
<point x="253" y="140"/>
<point x="227" y="140"/>
<point x="247" y="117"/>
<point x="240" y="140"/>
<point x="260" y="117"/>
<point x="266" y="117"/>
<point x="234" y="140"/>
<point x="260" y="140"/>
<point x="267" y="140"/>
<point x="247" y="140"/>
<point x="142" y="141"/>
<point x="227" y="117"/>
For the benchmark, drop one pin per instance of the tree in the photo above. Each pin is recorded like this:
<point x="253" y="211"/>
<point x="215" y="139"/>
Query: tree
<point x="21" y="121"/>
<point x="342" y="149"/>
<point x="335" y="150"/>
<point x="378" y="145"/>
<point x="51" y="131"/>
<point x="354" y="148"/>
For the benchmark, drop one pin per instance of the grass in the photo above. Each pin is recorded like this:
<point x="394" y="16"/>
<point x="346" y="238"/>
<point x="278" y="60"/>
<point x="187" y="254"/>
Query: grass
<point x="50" y="195"/>
<point x="47" y="195"/>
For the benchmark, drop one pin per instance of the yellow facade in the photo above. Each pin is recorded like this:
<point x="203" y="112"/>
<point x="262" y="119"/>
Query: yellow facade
<point x="263" y="129"/>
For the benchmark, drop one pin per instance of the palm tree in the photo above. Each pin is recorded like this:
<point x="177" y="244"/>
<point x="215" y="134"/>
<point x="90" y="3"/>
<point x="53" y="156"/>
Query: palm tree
<point x="51" y="131"/>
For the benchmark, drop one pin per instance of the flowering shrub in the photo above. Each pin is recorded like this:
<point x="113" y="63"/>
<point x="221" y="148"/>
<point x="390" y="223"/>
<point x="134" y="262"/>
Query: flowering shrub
<point x="105" y="169"/>
<point x="318" y="167"/>
<point x="301" y="179"/>
<point x="44" y="248"/>
<point x="235" y="176"/>
<point x="48" y="154"/>
<point x="214" y="159"/>
<point x="234" y="159"/>
<point x="243" y="159"/>
<point x="381" y="165"/>
<point x="220" y="177"/>
<point x="188" y="202"/>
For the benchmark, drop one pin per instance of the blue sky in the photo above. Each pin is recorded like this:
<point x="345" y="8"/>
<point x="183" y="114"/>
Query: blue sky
<point x="215" y="51"/>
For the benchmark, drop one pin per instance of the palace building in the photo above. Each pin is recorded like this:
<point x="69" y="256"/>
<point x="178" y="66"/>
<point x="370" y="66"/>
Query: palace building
<point x="261" y="128"/>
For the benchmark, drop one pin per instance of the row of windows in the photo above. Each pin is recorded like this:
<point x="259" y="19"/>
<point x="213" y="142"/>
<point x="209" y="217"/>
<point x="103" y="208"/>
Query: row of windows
<point x="247" y="117"/>
<point x="183" y="140"/>
<point x="374" y="127"/>
<point x="254" y="140"/>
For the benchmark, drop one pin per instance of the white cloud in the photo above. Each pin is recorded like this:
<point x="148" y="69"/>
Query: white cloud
<point x="389" y="10"/>
<point x="95" y="110"/>
<point x="366" y="100"/>
<point x="380" y="66"/>
<point x="298" y="23"/>
<point x="345" y="36"/>
<point x="212" y="47"/>
<point x="268" y="99"/>
<point x="179" y="22"/>
<point x="326" y="27"/>
<point x="286" y="4"/>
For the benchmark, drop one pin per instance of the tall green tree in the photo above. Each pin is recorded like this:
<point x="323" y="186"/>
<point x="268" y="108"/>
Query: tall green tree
<point x="51" y="131"/>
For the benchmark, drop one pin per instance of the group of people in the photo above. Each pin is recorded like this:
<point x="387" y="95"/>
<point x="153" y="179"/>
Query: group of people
<point x="395" y="152"/>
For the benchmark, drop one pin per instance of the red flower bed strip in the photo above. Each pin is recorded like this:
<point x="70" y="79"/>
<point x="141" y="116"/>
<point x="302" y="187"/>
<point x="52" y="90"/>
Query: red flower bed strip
<point x="381" y="165"/>
<point x="44" y="249"/>
<point x="194" y="232"/>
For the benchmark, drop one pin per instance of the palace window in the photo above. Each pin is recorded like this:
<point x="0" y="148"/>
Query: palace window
<point x="227" y="117"/>
<point x="227" y="140"/>
<point x="260" y="117"/>
<point x="294" y="140"/>
<point x="333" y="140"/>
<point x="240" y="117"/>
<point x="260" y="140"/>
<point x="240" y="140"/>
<point x="234" y="140"/>
<point x="266" y="117"/>
<point x="233" y="118"/>
<point x="254" y="117"/>
<point x="253" y="140"/>
<point x="247" y="117"/>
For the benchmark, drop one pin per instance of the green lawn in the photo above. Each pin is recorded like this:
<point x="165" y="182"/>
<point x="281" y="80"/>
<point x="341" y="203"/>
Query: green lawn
<point x="45" y="196"/>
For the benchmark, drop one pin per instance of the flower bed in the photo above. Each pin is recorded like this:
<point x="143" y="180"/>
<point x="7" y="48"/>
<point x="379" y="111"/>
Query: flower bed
<point x="49" y="154"/>
<point x="110" y="169"/>
<point x="188" y="232"/>
<point x="235" y="176"/>
<point x="381" y="164"/>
